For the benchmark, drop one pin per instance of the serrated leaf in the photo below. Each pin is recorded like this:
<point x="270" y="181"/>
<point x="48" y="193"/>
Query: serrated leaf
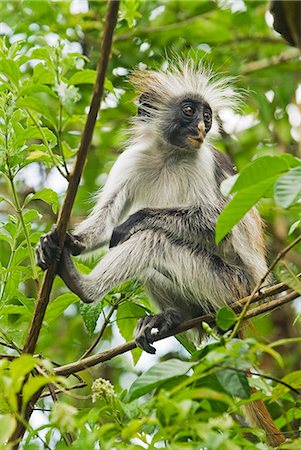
<point x="58" y="306"/>
<point x="241" y="203"/>
<point x="156" y="375"/>
<point x="287" y="276"/>
<point x="127" y="315"/>
<point x="48" y="196"/>
<point x="85" y="76"/>
<point x="90" y="314"/>
<point x="235" y="383"/>
<point x="225" y="318"/>
<point x="287" y="189"/>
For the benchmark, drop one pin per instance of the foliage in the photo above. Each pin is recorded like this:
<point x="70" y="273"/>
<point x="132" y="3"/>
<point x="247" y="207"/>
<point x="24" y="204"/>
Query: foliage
<point x="187" y="399"/>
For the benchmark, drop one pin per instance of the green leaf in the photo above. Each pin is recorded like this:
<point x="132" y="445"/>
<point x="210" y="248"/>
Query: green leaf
<point x="90" y="314"/>
<point x="225" y="318"/>
<point x="293" y="379"/>
<point x="48" y="196"/>
<point x="42" y="74"/>
<point x="287" y="276"/>
<point x="129" y="11"/>
<point x="33" y="385"/>
<point x="10" y="69"/>
<point x="157" y="375"/>
<point x="21" y="367"/>
<point x="127" y="315"/>
<point x="85" y="76"/>
<point x="35" y="104"/>
<point x="58" y="306"/>
<point x="294" y="227"/>
<point x="233" y="382"/>
<point x="287" y="188"/>
<point x="241" y="203"/>
<point x="259" y="171"/>
<point x="7" y="426"/>
<point x="187" y="344"/>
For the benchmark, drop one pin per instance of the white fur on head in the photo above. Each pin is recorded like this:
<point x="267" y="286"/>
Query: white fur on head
<point x="186" y="77"/>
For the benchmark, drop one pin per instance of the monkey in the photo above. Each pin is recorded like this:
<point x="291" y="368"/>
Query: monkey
<point x="159" y="207"/>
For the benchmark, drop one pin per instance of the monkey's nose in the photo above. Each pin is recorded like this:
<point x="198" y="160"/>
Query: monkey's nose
<point x="201" y="128"/>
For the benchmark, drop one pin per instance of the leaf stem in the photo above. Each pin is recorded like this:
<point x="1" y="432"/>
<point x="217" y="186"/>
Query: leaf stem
<point x="50" y="152"/>
<point x="25" y="231"/>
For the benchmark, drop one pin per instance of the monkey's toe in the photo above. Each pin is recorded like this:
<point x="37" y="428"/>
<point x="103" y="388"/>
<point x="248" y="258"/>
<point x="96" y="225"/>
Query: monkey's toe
<point x="151" y="328"/>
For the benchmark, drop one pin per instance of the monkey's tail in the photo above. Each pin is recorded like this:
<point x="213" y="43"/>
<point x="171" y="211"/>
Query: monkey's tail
<point x="258" y="416"/>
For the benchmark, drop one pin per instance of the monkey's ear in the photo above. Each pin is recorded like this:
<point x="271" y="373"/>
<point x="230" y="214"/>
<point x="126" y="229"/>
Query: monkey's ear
<point x="146" y="105"/>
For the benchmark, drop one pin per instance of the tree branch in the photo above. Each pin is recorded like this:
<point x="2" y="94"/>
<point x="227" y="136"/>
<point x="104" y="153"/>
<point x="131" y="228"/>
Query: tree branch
<point x="93" y="360"/>
<point x="268" y="62"/>
<point x="65" y="212"/>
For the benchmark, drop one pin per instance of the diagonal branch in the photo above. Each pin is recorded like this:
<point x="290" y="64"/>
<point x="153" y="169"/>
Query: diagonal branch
<point x="75" y="175"/>
<point x="65" y="212"/>
<point x="98" y="358"/>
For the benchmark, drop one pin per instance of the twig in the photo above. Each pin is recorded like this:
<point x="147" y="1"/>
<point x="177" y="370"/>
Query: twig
<point x="59" y="391"/>
<point x="65" y="212"/>
<point x="90" y="361"/>
<point x="272" y="61"/>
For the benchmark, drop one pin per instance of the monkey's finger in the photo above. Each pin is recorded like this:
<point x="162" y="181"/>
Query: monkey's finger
<point x="40" y="260"/>
<point x="51" y="251"/>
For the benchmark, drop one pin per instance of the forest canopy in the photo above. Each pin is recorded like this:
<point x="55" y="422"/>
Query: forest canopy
<point x="67" y="376"/>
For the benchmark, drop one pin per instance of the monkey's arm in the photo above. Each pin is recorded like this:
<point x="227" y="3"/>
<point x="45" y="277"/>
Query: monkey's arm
<point x="187" y="223"/>
<point x="113" y="201"/>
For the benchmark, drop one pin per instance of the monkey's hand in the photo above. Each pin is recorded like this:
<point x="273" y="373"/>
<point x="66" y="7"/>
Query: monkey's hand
<point x="151" y="328"/>
<point x="125" y="230"/>
<point x="48" y="250"/>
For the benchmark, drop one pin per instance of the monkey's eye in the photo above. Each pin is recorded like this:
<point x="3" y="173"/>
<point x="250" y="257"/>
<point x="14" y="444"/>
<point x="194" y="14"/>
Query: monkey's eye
<point x="188" y="110"/>
<point x="207" y="116"/>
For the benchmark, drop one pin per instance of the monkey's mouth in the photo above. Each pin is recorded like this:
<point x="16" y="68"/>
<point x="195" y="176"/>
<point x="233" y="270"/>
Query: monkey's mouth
<point x="196" y="141"/>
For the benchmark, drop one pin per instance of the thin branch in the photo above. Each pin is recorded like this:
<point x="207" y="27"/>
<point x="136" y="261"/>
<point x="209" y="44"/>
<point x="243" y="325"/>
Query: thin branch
<point x="93" y="360"/>
<point x="268" y="62"/>
<point x="63" y="391"/>
<point x="65" y="212"/>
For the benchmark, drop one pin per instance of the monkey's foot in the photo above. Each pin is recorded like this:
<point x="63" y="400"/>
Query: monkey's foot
<point x="151" y="328"/>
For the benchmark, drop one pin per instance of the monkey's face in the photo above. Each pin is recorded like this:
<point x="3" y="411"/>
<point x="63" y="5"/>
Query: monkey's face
<point x="186" y="122"/>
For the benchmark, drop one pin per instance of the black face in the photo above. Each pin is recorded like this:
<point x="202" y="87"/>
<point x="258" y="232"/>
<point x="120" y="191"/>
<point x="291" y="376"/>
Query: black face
<point x="188" y="121"/>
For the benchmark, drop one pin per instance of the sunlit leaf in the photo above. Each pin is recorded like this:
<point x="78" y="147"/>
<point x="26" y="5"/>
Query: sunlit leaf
<point x="288" y="188"/>
<point x="49" y="196"/>
<point x="156" y="375"/>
